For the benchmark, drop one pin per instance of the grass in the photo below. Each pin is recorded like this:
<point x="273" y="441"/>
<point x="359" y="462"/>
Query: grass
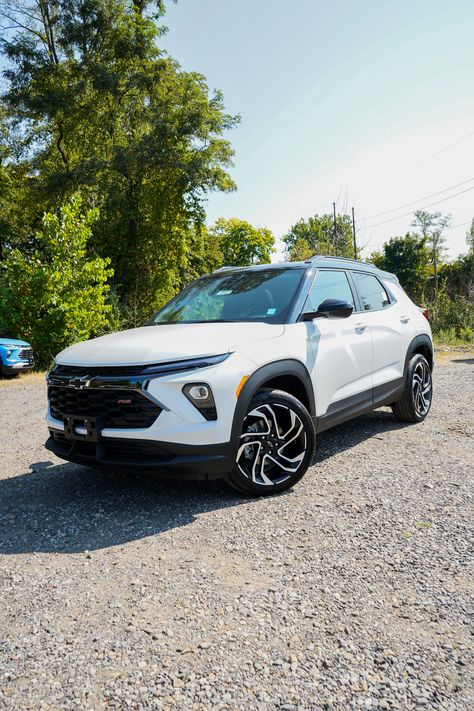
<point x="22" y="379"/>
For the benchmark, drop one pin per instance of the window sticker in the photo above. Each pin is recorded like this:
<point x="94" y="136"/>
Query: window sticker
<point x="271" y="312"/>
<point x="224" y="292"/>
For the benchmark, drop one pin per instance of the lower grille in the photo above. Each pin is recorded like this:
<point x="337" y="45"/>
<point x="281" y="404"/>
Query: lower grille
<point x="120" y="409"/>
<point x="26" y="354"/>
<point x="121" y="450"/>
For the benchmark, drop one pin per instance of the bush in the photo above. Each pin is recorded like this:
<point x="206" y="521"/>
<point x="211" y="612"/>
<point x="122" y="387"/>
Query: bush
<point x="57" y="295"/>
<point x="452" y="319"/>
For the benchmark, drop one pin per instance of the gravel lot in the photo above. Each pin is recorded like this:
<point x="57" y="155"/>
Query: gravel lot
<point x="352" y="591"/>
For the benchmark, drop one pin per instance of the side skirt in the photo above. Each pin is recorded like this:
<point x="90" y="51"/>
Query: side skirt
<point x="360" y="404"/>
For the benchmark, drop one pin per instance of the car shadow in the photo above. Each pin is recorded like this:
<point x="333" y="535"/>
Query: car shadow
<point x="351" y="433"/>
<point x="469" y="361"/>
<point x="68" y="508"/>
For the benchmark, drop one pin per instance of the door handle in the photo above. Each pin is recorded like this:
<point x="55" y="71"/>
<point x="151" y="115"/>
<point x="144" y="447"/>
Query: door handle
<point x="404" y="319"/>
<point x="360" y="327"/>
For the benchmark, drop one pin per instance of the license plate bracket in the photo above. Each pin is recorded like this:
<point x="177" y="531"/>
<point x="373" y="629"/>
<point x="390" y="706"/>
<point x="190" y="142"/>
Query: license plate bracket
<point x="90" y="428"/>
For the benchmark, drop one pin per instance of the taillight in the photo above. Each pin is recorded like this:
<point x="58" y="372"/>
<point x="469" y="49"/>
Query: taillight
<point x="426" y="314"/>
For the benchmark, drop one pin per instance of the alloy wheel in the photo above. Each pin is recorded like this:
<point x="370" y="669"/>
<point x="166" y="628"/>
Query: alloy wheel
<point x="422" y="388"/>
<point x="273" y="444"/>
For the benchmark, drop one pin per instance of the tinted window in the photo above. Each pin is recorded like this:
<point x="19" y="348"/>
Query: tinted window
<point x="371" y="292"/>
<point x="329" y="285"/>
<point x="263" y="295"/>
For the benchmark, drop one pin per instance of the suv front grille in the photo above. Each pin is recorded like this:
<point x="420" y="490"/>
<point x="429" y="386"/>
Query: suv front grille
<point x="121" y="409"/>
<point x="26" y="354"/>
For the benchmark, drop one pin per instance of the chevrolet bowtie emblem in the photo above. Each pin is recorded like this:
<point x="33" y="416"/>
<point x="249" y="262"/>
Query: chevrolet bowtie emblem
<point x="80" y="382"/>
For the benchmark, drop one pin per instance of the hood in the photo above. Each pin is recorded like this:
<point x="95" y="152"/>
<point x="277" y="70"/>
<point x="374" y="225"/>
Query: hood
<point x="13" y="342"/>
<point x="167" y="342"/>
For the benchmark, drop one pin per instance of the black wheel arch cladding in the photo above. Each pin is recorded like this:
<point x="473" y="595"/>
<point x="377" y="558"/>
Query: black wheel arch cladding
<point x="259" y="378"/>
<point x="423" y="345"/>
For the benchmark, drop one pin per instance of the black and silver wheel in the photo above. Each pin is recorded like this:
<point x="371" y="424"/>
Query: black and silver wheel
<point x="276" y="444"/>
<point x="415" y="402"/>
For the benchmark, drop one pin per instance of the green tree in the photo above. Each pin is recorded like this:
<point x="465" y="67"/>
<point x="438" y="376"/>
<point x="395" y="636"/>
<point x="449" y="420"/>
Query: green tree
<point x="94" y="104"/>
<point x="57" y="295"/>
<point x="318" y="233"/>
<point x="203" y="255"/>
<point x="242" y="244"/>
<point x="457" y="277"/>
<point x="431" y="226"/>
<point x="470" y="237"/>
<point x="300" y="251"/>
<point x="409" y="258"/>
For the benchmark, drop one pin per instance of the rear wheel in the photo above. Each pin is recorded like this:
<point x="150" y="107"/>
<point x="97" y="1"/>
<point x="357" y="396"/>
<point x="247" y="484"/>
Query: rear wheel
<point x="276" y="444"/>
<point x="415" y="402"/>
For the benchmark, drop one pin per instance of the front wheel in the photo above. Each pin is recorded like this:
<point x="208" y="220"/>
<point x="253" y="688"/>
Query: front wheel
<point x="276" y="444"/>
<point x="8" y="373"/>
<point x="415" y="402"/>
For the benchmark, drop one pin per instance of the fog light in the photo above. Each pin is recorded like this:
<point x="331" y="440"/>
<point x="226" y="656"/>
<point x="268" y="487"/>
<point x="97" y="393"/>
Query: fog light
<point x="200" y="395"/>
<point x="199" y="392"/>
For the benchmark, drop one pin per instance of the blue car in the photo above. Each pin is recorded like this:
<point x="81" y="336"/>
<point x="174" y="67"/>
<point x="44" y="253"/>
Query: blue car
<point x="15" y="356"/>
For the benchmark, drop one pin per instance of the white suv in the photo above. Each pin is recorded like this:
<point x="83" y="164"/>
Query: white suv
<point x="238" y="373"/>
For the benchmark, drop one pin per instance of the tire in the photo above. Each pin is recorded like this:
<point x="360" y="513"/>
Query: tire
<point x="415" y="403"/>
<point x="275" y="421"/>
<point x="5" y="374"/>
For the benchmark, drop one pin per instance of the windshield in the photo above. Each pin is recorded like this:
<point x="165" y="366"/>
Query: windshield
<point x="264" y="295"/>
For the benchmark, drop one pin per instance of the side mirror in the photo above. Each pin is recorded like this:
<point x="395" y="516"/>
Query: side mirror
<point x="338" y="308"/>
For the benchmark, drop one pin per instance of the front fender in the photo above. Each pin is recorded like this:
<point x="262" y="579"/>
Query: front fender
<point x="262" y="375"/>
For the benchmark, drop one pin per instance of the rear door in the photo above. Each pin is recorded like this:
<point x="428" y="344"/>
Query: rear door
<point x="390" y="325"/>
<point x="339" y="350"/>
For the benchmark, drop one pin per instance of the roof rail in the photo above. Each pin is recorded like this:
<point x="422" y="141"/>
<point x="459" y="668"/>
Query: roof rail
<point x="223" y="269"/>
<point x="331" y="256"/>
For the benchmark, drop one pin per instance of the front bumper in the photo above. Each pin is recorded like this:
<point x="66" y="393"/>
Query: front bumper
<point x="95" y="418"/>
<point x="170" y="460"/>
<point x="17" y="367"/>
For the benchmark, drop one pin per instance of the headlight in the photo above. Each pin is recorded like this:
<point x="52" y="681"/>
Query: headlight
<point x="182" y="365"/>
<point x="200" y="395"/>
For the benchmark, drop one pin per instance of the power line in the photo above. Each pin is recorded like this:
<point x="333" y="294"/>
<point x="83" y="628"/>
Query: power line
<point x="451" y="227"/>
<point x="415" y="165"/>
<point x="432" y="204"/>
<point x="461" y="224"/>
<point x="413" y="202"/>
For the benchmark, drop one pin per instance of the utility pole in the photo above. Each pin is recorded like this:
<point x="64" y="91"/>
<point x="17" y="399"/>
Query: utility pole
<point x="335" y="226"/>
<point x="354" y="234"/>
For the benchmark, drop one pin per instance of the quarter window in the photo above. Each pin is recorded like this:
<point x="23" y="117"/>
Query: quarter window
<point x="371" y="292"/>
<point x="329" y="285"/>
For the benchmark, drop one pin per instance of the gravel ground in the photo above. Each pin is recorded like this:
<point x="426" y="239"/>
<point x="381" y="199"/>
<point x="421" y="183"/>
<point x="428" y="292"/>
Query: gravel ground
<point x="351" y="591"/>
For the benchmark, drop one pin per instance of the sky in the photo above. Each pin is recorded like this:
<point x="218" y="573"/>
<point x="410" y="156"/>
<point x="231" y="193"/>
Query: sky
<point x="368" y="103"/>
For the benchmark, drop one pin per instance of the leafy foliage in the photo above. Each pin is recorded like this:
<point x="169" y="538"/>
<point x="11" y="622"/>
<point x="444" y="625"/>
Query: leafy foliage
<point x="431" y="226"/>
<point x="57" y="295"/>
<point x="94" y="104"/>
<point x="318" y="234"/>
<point x="408" y="258"/>
<point x="449" y="291"/>
<point x="453" y="316"/>
<point x="300" y="251"/>
<point x="240" y="243"/>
